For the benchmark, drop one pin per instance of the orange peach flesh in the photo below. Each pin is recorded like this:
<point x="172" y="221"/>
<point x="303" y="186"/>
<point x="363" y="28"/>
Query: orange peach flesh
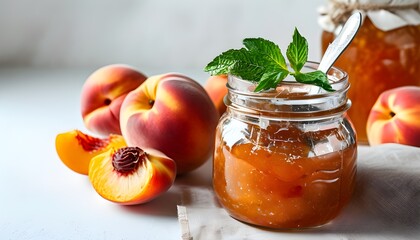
<point x="152" y="176"/>
<point x="75" y="149"/>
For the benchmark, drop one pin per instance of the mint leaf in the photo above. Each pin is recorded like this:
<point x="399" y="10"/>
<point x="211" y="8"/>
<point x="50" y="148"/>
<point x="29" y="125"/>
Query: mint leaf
<point x="266" y="49"/>
<point x="270" y="80"/>
<point x="249" y="65"/>
<point x="317" y="78"/>
<point x="260" y="61"/>
<point x="297" y="51"/>
<point x="237" y="62"/>
<point x="222" y="63"/>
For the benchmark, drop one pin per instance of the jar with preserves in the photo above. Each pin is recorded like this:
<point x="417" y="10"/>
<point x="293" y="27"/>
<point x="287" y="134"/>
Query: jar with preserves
<point x="385" y="53"/>
<point x="285" y="158"/>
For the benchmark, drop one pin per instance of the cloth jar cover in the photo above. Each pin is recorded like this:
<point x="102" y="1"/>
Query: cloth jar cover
<point x="385" y="14"/>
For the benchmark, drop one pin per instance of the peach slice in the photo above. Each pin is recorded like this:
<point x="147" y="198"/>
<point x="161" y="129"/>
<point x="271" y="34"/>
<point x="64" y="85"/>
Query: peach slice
<point x="130" y="176"/>
<point x="76" y="148"/>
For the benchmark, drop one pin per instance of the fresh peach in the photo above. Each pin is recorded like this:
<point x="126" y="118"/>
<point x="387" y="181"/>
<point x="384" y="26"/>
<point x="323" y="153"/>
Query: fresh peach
<point x="395" y="117"/>
<point x="216" y="88"/>
<point x="130" y="175"/>
<point x="102" y="96"/>
<point x="76" y="148"/>
<point x="173" y="114"/>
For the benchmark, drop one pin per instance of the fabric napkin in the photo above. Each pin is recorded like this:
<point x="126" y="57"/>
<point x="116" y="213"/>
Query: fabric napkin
<point x="385" y="205"/>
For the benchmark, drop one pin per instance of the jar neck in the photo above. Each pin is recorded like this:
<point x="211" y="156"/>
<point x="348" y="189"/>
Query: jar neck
<point x="290" y="100"/>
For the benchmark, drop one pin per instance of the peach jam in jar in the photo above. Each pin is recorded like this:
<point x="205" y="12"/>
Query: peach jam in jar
<point x="285" y="158"/>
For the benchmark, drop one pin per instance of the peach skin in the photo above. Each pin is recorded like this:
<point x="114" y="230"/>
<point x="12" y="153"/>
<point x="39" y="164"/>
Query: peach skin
<point x="395" y="117"/>
<point x="76" y="149"/>
<point x="129" y="175"/>
<point x="102" y="95"/>
<point x="216" y="89"/>
<point x="173" y="114"/>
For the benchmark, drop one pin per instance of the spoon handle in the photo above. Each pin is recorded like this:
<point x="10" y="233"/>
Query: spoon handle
<point x="341" y="42"/>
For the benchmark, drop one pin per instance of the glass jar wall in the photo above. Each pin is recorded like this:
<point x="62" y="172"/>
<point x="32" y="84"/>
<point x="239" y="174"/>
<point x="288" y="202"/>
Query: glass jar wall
<point x="285" y="158"/>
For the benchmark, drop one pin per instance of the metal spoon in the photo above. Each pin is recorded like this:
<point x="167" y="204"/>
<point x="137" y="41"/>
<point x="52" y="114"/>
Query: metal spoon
<point x="337" y="47"/>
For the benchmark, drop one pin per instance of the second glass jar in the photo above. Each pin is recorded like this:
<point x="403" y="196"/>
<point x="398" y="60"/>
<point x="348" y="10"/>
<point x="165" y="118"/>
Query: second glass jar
<point x="377" y="61"/>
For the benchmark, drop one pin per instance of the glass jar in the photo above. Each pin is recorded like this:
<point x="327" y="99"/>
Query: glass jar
<point x="285" y="158"/>
<point x="376" y="60"/>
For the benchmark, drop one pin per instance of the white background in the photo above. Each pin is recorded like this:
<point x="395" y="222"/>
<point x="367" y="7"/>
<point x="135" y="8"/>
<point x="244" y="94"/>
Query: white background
<point x="164" y="34"/>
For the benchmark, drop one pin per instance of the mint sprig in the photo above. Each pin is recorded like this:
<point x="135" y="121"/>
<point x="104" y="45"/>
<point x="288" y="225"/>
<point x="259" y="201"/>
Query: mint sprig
<point x="261" y="61"/>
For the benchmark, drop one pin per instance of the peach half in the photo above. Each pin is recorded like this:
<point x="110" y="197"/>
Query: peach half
<point x="75" y="148"/>
<point x="129" y="175"/>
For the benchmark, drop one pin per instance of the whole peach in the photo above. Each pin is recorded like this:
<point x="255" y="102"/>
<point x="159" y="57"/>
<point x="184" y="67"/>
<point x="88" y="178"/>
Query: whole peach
<point x="102" y="95"/>
<point x="395" y="117"/>
<point x="173" y="114"/>
<point x="216" y="88"/>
